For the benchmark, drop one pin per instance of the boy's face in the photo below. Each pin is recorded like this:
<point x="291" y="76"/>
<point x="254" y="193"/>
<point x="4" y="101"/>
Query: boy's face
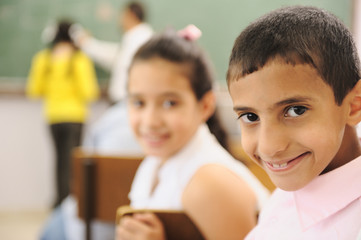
<point x="290" y="123"/>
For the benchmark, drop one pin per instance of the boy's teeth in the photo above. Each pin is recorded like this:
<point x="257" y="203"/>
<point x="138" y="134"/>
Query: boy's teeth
<point x="283" y="165"/>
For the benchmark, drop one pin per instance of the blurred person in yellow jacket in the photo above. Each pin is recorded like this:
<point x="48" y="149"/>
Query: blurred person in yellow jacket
<point x="64" y="77"/>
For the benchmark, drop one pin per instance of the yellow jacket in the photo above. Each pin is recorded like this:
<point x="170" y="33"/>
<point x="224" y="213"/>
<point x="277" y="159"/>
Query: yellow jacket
<point x="67" y="84"/>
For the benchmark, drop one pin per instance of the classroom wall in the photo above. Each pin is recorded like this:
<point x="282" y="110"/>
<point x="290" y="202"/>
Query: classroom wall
<point x="26" y="154"/>
<point x="22" y="21"/>
<point x="25" y="175"/>
<point x="356" y="24"/>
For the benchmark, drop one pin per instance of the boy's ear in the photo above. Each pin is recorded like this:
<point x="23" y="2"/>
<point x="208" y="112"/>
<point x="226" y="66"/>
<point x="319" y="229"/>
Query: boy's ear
<point x="354" y="116"/>
<point x="208" y="104"/>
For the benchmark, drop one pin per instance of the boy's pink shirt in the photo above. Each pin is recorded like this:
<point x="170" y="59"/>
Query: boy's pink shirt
<point x="329" y="207"/>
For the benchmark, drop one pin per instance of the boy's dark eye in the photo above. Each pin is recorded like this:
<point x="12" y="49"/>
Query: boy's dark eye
<point x="295" y="111"/>
<point x="249" y="117"/>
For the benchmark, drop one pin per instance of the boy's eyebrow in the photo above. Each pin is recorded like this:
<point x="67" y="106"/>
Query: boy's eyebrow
<point x="242" y="109"/>
<point x="286" y="101"/>
<point x="293" y="100"/>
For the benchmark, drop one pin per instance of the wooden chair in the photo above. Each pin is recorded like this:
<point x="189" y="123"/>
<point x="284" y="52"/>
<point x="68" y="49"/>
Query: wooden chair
<point x="101" y="184"/>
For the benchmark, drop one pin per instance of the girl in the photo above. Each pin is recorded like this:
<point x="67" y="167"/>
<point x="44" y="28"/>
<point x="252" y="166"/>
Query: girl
<point x="65" y="78"/>
<point x="186" y="168"/>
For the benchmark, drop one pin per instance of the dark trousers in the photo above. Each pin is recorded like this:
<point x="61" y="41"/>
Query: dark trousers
<point x="66" y="136"/>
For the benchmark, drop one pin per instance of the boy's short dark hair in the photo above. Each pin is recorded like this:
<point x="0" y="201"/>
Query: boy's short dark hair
<point x="298" y="34"/>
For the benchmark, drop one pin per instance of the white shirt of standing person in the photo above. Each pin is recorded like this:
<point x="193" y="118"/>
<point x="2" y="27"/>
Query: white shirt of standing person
<point x="116" y="58"/>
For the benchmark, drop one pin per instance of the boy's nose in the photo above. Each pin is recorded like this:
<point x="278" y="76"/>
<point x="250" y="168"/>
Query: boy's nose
<point x="272" y="141"/>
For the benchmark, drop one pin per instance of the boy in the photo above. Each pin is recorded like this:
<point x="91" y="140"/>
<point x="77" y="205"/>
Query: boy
<point x="294" y="81"/>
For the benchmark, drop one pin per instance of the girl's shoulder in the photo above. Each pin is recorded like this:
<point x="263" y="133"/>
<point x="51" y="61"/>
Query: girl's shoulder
<point x="221" y="194"/>
<point x="219" y="163"/>
<point x="213" y="174"/>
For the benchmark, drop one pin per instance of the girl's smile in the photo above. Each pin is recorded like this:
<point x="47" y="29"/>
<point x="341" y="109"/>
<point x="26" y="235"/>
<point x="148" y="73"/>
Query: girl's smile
<point x="164" y="112"/>
<point x="155" y="139"/>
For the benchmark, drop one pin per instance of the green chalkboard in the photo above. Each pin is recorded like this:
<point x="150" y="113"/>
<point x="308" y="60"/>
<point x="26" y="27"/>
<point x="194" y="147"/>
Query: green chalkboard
<point x="21" y="23"/>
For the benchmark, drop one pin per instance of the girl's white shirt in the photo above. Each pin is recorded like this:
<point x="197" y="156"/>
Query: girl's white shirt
<point x="177" y="171"/>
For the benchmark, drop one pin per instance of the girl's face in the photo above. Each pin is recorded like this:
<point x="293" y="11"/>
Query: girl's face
<point x="163" y="110"/>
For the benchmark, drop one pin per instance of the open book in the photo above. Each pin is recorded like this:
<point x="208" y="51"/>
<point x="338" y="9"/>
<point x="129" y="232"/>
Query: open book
<point x="177" y="225"/>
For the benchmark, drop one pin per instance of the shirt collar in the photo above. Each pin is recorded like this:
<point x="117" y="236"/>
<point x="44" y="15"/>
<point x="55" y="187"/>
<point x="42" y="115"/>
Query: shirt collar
<point x="328" y="193"/>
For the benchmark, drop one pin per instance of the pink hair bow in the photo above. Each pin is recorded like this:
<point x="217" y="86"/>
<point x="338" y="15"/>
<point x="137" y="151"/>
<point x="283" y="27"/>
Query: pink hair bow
<point x="190" y="32"/>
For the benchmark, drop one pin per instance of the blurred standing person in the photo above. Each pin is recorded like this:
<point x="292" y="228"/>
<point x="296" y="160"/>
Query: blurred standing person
<point x="113" y="56"/>
<point x="65" y="78"/>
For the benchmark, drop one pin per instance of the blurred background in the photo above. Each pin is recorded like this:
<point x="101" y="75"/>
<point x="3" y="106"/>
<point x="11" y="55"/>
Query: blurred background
<point x="22" y="21"/>
<point x="26" y="154"/>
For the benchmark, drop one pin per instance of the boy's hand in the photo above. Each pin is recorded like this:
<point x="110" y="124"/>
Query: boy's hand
<point x="140" y="226"/>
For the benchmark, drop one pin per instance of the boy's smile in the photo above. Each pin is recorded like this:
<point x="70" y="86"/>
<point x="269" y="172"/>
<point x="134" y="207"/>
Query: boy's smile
<point x="290" y="122"/>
